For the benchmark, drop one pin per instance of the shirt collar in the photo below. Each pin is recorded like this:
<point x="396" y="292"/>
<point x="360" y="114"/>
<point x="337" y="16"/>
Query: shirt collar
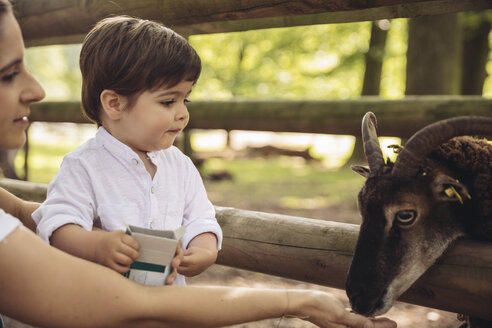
<point x="114" y="146"/>
<point x="118" y="148"/>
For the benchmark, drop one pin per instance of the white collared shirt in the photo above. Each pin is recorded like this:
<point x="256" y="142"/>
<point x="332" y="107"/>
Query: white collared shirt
<point x="104" y="183"/>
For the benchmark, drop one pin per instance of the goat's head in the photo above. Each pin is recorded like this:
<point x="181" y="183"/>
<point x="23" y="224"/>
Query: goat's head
<point x="410" y="214"/>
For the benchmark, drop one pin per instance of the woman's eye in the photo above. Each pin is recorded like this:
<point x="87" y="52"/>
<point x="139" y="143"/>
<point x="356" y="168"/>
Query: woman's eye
<point x="187" y="101"/>
<point x="10" y="76"/>
<point x="405" y="218"/>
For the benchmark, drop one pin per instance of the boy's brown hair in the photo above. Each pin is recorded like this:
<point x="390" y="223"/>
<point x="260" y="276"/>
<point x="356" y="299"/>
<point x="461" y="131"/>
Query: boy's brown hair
<point x="130" y="55"/>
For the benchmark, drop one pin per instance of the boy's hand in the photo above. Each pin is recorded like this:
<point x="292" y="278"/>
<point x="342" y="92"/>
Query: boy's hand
<point x="196" y="260"/>
<point x="116" y="250"/>
<point x="178" y="258"/>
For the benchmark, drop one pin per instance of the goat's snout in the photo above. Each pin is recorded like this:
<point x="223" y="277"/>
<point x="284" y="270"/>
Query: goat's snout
<point x="363" y="300"/>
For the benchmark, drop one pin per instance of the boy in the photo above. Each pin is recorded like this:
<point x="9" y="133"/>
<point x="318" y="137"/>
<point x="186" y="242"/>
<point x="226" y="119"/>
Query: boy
<point x="137" y="77"/>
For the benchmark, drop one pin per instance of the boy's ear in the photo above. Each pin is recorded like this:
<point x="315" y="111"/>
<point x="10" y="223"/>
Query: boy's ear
<point x="112" y="104"/>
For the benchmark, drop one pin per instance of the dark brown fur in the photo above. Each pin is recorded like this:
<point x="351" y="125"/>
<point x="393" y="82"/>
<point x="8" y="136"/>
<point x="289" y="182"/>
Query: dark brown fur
<point x="470" y="159"/>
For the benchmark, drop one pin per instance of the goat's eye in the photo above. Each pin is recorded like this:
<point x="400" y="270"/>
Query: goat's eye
<point x="405" y="218"/>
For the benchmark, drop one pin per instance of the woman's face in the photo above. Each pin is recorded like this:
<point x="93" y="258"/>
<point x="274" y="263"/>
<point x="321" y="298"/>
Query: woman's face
<point x="18" y="89"/>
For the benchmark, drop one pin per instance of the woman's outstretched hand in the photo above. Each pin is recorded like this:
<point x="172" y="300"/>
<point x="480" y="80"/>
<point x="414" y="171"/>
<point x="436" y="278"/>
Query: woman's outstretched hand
<point x="326" y="311"/>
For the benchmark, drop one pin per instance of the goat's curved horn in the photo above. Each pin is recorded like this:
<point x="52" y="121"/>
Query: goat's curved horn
<point x="372" y="150"/>
<point x="428" y="138"/>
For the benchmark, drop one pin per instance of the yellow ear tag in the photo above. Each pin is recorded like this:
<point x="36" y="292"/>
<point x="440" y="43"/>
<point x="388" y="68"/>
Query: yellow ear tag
<point x="450" y="192"/>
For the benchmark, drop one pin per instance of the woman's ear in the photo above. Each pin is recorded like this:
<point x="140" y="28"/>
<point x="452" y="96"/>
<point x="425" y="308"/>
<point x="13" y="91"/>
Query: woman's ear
<point x="112" y="104"/>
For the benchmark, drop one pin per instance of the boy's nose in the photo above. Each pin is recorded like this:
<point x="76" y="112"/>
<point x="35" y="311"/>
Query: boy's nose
<point x="182" y="113"/>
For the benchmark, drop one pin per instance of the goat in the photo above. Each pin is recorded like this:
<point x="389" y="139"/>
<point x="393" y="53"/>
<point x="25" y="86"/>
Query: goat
<point x="438" y="189"/>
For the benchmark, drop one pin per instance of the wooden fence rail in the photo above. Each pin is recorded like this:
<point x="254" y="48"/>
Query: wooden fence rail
<point x="55" y="22"/>
<point x="400" y="118"/>
<point x="320" y="252"/>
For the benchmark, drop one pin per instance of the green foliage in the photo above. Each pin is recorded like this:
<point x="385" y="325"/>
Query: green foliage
<point x="43" y="161"/>
<point x="315" y="62"/>
<point x="311" y="62"/>
<point x="57" y="69"/>
<point x="395" y="60"/>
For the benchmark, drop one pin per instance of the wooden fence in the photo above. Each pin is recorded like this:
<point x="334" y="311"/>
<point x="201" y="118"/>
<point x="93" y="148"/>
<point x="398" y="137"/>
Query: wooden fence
<point x="320" y="252"/>
<point x="398" y="118"/>
<point x="299" y="248"/>
<point x="55" y="22"/>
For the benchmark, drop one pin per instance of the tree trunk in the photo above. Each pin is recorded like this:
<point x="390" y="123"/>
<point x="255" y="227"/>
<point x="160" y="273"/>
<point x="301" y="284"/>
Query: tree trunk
<point x="372" y="80"/>
<point x="434" y="56"/>
<point x="374" y="59"/>
<point x="476" y="29"/>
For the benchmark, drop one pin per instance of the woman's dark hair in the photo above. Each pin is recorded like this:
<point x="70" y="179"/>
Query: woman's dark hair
<point x="130" y="55"/>
<point x="5" y="7"/>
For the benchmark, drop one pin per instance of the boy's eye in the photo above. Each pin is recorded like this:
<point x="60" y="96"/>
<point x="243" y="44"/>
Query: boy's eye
<point x="171" y="102"/>
<point x="167" y="103"/>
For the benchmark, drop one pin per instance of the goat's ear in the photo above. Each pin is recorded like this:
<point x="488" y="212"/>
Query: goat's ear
<point x="362" y="170"/>
<point x="447" y="189"/>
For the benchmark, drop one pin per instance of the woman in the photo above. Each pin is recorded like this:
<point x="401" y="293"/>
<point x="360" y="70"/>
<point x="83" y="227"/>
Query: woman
<point x="43" y="286"/>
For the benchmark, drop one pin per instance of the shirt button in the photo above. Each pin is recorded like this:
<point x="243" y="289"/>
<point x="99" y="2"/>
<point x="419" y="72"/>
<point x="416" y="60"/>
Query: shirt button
<point x="152" y="189"/>
<point x="135" y="161"/>
<point x="152" y="225"/>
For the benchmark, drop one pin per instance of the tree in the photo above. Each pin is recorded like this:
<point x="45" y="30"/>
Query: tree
<point x="372" y="77"/>
<point x="476" y="30"/>
<point x="434" y="56"/>
<point x="374" y="58"/>
<point x="311" y="62"/>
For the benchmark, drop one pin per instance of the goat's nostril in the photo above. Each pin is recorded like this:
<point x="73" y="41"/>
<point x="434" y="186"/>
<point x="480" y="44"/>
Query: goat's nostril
<point x="361" y="306"/>
<point x="360" y="300"/>
<point x="354" y="298"/>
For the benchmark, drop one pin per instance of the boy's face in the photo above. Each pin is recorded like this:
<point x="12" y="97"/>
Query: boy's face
<point x="156" y="118"/>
